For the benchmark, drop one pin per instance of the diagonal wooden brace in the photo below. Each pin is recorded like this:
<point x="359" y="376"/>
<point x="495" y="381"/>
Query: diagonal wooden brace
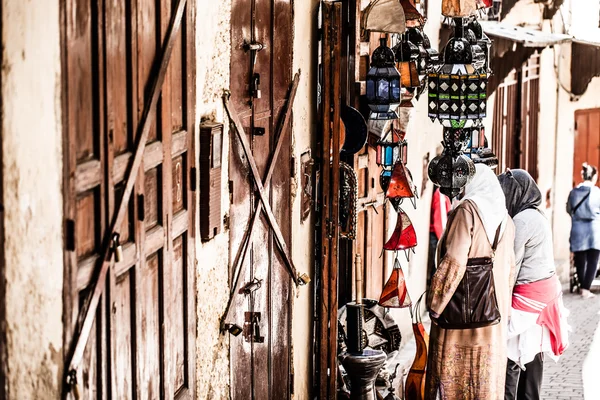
<point x="287" y="259"/>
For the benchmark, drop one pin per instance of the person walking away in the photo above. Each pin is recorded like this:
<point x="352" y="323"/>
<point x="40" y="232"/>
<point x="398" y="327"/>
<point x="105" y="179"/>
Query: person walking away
<point x="537" y="324"/>
<point x="584" y="208"/>
<point x="469" y="364"/>
<point x="440" y="207"/>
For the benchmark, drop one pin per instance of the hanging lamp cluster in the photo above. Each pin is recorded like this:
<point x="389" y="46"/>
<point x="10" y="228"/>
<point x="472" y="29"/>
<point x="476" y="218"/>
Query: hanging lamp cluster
<point x="457" y="98"/>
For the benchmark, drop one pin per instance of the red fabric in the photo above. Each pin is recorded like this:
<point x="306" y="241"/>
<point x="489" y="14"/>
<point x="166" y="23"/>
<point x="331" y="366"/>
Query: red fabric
<point x="440" y="207"/>
<point x="548" y="292"/>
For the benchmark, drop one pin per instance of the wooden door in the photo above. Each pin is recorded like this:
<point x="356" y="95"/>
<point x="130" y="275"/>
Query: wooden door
<point x="143" y="343"/>
<point x="516" y="118"/>
<point x="261" y="360"/>
<point x="587" y="141"/>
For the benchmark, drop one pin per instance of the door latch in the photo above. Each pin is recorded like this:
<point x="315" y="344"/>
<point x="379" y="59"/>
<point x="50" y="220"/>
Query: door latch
<point x="252" y="327"/>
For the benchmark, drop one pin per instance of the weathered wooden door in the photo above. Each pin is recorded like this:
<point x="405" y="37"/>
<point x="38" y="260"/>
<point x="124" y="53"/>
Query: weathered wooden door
<point x="587" y="141"/>
<point x="260" y="357"/>
<point x="143" y="342"/>
<point x="516" y="114"/>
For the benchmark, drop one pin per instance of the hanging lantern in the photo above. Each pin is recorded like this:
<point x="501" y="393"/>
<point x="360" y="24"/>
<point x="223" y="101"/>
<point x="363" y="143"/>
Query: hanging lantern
<point x="395" y="294"/>
<point x="450" y="173"/>
<point x="476" y="142"/>
<point x="386" y="153"/>
<point x="456" y="140"/>
<point x="411" y="14"/>
<point x="383" y="84"/>
<point x="407" y="56"/>
<point x="404" y="236"/>
<point x="401" y="185"/>
<point x="384" y="179"/>
<point x="459" y="8"/>
<point x="455" y="88"/>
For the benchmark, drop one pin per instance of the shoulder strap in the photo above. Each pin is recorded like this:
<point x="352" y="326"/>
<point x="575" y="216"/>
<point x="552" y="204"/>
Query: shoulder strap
<point x="581" y="202"/>
<point x="495" y="245"/>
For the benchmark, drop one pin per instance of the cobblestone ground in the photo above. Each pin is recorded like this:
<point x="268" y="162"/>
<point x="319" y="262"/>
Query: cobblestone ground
<point x="577" y="374"/>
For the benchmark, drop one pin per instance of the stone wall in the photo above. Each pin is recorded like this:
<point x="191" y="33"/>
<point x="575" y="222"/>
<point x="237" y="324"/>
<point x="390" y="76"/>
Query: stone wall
<point x="32" y="177"/>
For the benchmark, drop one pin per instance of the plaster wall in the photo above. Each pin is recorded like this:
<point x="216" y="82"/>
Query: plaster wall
<point x="32" y="176"/>
<point x="213" y="59"/>
<point x="303" y="139"/>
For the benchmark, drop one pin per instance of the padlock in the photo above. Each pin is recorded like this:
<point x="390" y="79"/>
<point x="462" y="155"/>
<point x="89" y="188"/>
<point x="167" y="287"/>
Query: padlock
<point x="117" y="248"/>
<point x="257" y="338"/>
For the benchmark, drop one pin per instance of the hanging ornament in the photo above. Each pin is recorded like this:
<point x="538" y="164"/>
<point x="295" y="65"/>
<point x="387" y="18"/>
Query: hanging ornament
<point x="383" y="83"/>
<point x="415" y="381"/>
<point x="459" y="8"/>
<point x="455" y="89"/>
<point x="348" y="201"/>
<point x="395" y="294"/>
<point x="411" y="14"/>
<point x="404" y="236"/>
<point x="407" y="55"/>
<point x="451" y="173"/>
<point x="385" y="16"/>
<point x="401" y="184"/>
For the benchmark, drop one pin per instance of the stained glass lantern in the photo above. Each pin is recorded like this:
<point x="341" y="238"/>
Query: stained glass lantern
<point x="454" y="89"/>
<point x="404" y="236"/>
<point x="433" y="56"/>
<point x="451" y="173"/>
<point x="387" y="153"/>
<point x="395" y="294"/>
<point x="407" y="57"/>
<point x="456" y="140"/>
<point x="476" y="141"/>
<point x="383" y="84"/>
<point x="415" y="36"/>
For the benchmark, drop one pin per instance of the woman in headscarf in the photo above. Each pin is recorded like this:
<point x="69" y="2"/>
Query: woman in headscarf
<point x="584" y="208"/>
<point x="537" y="324"/>
<point x="469" y="364"/>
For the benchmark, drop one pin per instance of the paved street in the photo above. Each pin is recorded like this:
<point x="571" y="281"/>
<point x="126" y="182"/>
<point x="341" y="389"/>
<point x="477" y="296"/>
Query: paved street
<point x="577" y="374"/>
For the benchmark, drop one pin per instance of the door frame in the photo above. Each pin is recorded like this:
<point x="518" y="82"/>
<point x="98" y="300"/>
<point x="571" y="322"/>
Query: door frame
<point x="4" y="390"/>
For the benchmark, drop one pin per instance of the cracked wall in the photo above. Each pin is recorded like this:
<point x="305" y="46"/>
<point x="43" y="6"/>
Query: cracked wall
<point x="32" y="177"/>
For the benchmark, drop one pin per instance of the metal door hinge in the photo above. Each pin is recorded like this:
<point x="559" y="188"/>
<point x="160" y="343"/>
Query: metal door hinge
<point x="193" y="179"/>
<point x="141" y="207"/>
<point x="252" y="327"/>
<point x="70" y="235"/>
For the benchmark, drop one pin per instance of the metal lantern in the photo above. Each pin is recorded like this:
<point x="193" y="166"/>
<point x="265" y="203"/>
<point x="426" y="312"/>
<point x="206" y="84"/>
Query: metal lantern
<point x="456" y="140"/>
<point x="455" y="88"/>
<point x="383" y="84"/>
<point x="450" y="173"/>
<point x="407" y="56"/>
<point x="476" y="142"/>
<point x="386" y="153"/>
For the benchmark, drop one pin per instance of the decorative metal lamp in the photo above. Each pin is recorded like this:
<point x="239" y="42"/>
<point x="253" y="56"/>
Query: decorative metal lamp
<point x="407" y="56"/>
<point x="383" y="84"/>
<point x="404" y="236"/>
<point x="476" y="142"/>
<point x="455" y="88"/>
<point x="450" y="173"/>
<point x="395" y="294"/>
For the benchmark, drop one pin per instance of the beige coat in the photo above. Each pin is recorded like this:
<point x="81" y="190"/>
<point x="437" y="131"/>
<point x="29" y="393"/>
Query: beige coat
<point x="468" y="364"/>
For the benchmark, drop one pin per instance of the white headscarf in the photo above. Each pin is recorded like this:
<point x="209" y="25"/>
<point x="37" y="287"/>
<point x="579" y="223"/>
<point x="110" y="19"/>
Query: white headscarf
<point x="485" y="191"/>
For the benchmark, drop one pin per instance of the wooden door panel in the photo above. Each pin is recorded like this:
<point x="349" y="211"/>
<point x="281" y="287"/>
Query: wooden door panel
<point x="144" y="334"/>
<point x="587" y="141"/>
<point x="262" y="368"/>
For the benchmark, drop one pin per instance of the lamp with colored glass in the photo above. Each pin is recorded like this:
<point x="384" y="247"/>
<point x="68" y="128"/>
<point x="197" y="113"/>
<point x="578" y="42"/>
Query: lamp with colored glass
<point x="407" y="56"/>
<point x="383" y="84"/>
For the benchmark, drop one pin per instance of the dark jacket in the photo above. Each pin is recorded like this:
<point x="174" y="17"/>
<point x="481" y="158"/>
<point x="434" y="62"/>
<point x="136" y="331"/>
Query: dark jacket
<point x="585" y="227"/>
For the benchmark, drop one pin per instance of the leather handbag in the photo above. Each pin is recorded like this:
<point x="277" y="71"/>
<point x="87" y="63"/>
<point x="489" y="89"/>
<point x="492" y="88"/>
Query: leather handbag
<point x="474" y="303"/>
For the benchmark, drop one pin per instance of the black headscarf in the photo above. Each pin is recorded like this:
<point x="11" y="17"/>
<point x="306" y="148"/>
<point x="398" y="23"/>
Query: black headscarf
<point x="520" y="190"/>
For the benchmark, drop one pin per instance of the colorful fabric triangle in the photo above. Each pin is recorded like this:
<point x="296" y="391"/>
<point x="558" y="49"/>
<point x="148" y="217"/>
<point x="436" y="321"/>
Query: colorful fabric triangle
<point x="395" y="294"/>
<point x="401" y="185"/>
<point x="404" y="236"/>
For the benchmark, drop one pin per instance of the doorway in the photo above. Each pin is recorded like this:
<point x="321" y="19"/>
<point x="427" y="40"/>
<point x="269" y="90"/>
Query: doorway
<point x="587" y="141"/>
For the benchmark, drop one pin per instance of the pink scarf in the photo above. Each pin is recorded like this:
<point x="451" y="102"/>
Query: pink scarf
<point x="544" y="298"/>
